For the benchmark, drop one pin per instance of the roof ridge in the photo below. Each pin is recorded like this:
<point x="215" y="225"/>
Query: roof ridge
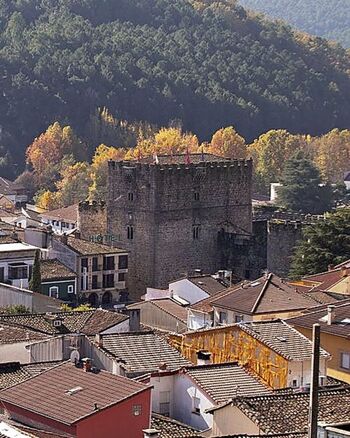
<point x="262" y="293"/>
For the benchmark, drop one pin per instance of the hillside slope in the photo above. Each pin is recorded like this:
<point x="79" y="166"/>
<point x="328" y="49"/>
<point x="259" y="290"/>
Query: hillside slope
<point x="206" y="63"/>
<point x="326" y="18"/>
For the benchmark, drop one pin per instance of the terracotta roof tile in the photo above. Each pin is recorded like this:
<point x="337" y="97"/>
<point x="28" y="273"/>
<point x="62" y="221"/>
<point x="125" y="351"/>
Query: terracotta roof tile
<point x="143" y="351"/>
<point x="289" y="413"/>
<point x="48" y="393"/>
<point x="207" y="283"/>
<point x="264" y="295"/>
<point x="10" y="334"/>
<point x="54" y="270"/>
<point x="282" y="338"/>
<point x="68" y="214"/>
<point x="85" y="247"/>
<point x="225" y="381"/>
<point x="328" y="279"/>
<point x="170" y="428"/>
<point x="339" y="326"/>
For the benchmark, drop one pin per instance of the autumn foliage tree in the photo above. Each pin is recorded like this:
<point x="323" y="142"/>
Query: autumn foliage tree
<point x="228" y="143"/>
<point x="47" y="151"/>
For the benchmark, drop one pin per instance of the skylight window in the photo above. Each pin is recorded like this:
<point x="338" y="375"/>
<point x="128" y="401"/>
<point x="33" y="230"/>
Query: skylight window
<point x="282" y="338"/>
<point x="74" y="390"/>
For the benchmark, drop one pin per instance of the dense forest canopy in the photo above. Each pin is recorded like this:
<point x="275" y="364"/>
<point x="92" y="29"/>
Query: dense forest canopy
<point x="326" y="18"/>
<point x="204" y="63"/>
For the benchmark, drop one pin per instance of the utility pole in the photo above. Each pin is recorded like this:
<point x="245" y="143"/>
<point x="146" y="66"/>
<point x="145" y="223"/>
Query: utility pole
<point x="315" y="369"/>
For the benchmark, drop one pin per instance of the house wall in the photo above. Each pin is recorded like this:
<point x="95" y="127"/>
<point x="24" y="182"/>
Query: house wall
<point x="187" y="290"/>
<point x="12" y="296"/>
<point x="198" y="320"/>
<point x="163" y="383"/>
<point x="15" y="352"/>
<point x="230" y="343"/>
<point x="48" y="350"/>
<point x="184" y="391"/>
<point x="25" y="256"/>
<point x="335" y="345"/>
<point x="153" y="316"/>
<point x="232" y="421"/>
<point x="301" y="371"/>
<point x="118" y="421"/>
<point x="234" y="316"/>
<point x="343" y="287"/>
<point x="62" y="289"/>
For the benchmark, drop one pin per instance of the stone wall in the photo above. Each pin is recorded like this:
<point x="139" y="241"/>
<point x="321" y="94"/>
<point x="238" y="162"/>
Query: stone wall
<point x="163" y="204"/>
<point x="92" y="221"/>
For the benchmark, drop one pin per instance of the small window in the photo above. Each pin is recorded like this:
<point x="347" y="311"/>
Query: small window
<point x="123" y="262"/>
<point x="294" y="383"/>
<point x="222" y="317"/>
<point x="94" y="282"/>
<point x="53" y="292"/>
<point x="84" y="264"/>
<point x="130" y="196"/>
<point x="71" y="289"/>
<point x="95" y="264"/>
<point x="196" y="196"/>
<point x="121" y="276"/>
<point x="164" y="403"/>
<point x="195" y="232"/>
<point x="345" y="360"/>
<point x="137" y="410"/>
<point x="238" y="318"/>
<point x="130" y="232"/>
<point x="108" y="263"/>
<point x="108" y="280"/>
<point x="196" y="405"/>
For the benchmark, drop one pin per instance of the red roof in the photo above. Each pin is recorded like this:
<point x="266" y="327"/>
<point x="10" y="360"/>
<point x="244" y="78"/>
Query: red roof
<point x="66" y="393"/>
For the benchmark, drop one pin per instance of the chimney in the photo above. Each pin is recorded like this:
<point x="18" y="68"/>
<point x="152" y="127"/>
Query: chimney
<point x="64" y="238"/>
<point x="77" y="234"/>
<point x="330" y="267"/>
<point x="330" y="315"/>
<point x="98" y="340"/>
<point x="87" y="365"/>
<point x="151" y="433"/>
<point x="134" y="320"/>
<point x="163" y="367"/>
<point x="203" y="357"/>
<point x="344" y="271"/>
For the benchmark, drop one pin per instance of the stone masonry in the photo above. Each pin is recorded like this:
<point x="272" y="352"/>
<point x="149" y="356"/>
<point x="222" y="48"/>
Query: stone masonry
<point x="169" y="214"/>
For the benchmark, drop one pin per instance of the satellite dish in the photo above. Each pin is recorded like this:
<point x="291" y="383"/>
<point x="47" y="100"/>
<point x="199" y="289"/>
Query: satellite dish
<point x="74" y="356"/>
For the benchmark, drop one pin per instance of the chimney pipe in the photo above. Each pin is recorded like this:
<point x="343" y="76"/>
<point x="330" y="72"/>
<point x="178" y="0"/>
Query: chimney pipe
<point x="330" y="314"/>
<point x="87" y="365"/>
<point x="64" y="238"/>
<point x="203" y="357"/>
<point x="151" y="433"/>
<point x="99" y="340"/>
<point x="330" y="267"/>
<point x="134" y="320"/>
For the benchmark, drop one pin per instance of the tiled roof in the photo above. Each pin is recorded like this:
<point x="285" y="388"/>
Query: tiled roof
<point x="225" y="381"/>
<point x="182" y="159"/>
<point x="206" y="304"/>
<point x="143" y="351"/>
<point x="266" y="295"/>
<point x="54" y="270"/>
<point x="339" y="326"/>
<point x="88" y="322"/>
<point x="207" y="283"/>
<point x="289" y="412"/>
<point x="10" y="334"/>
<point x="67" y="214"/>
<point x="282" y="338"/>
<point x="325" y="280"/>
<point x="12" y="373"/>
<point x="47" y="394"/>
<point x="8" y="187"/>
<point x="85" y="247"/>
<point x="170" y="428"/>
<point x="324" y="297"/>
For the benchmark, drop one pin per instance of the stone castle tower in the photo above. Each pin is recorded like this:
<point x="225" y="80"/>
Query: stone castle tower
<point x="169" y="214"/>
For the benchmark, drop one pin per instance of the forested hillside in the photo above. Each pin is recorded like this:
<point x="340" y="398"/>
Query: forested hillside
<point x="204" y="63"/>
<point x="326" y="18"/>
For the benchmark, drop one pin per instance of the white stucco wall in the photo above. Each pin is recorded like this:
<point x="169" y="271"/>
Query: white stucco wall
<point x="122" y="327"/>
<point x="197" y="320"/>
<point x="187" y="290"/>
<point x="301" y="371"/>
<point x="231" y="421"/>
<point x="15" y="352"/>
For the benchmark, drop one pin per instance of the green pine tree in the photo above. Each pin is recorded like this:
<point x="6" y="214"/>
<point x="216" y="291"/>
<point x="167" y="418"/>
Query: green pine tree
<point x="301" y="189"/>
<point x="324" y="243"/>
<point x="35" y="281"/>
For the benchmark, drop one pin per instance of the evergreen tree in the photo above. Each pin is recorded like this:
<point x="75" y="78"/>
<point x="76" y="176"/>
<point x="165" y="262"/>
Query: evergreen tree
<point x="324" y="243"/>
<point x="301" y="189"/>
<point x="35" y="281"/>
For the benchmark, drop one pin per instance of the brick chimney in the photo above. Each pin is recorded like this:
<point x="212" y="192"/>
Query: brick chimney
<point x="151" y="433"/>
<point x="330" y="314"/>
<point x="64" y="238"/>
<point x="134" y="320"/>
<point x="203" y="357"/>
<point x="98" y="340"/>
<point x="87" y="364"/>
